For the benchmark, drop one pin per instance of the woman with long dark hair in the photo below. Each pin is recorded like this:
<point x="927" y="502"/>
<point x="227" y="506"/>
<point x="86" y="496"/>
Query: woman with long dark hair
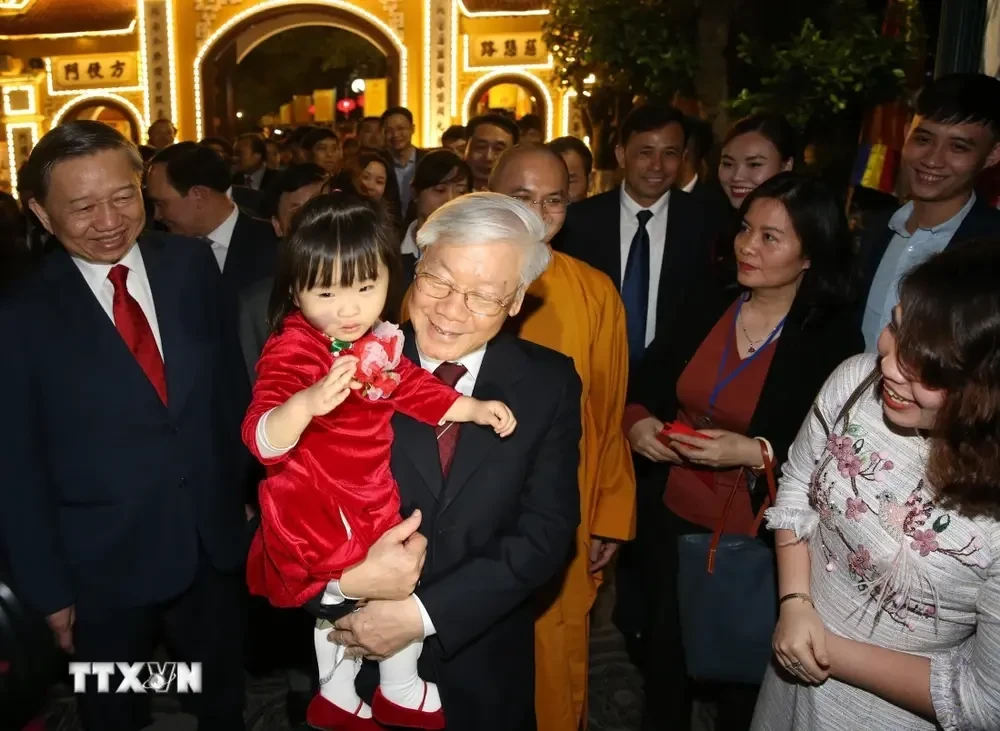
<point x="741" y="366"/>
<point x="888" y="523"/>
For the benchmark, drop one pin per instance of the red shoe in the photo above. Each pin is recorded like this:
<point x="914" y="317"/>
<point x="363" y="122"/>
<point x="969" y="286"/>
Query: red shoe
<point x="389" y="714"/>
<point x="325" y="716"/>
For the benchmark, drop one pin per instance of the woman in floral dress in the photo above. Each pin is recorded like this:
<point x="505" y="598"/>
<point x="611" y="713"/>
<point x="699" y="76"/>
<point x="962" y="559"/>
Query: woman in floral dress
<point x="888" y="523"/>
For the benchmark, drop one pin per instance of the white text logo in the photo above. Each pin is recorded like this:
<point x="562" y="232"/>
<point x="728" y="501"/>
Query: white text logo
<point x="138" y="677"/>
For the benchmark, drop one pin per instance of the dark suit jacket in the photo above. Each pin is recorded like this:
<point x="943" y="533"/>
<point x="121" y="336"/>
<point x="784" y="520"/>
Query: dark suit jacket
<point x="253" y="330"/>
<point x="592" y="233"/>
<point x="811" y="346"/>
<point x="499" y="528"/>
<point x="983" y="221"/>
<point x="253" y="250"/>
<point x="269" y="177"/>
<point x="249" y="200"/>
<point x="109" y="497"/>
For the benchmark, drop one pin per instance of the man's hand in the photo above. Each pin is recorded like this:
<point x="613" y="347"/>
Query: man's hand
<point x="393" y="564"/>
<point x="61" y="624"/>
<point x="601" y="553"/>
<point x="379" y="629"/>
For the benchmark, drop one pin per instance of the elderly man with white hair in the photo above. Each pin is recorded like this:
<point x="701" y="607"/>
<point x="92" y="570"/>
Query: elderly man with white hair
<point x="499" y="515"/>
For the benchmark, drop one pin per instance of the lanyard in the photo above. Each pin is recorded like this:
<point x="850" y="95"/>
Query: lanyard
<point x="720" y="381"/>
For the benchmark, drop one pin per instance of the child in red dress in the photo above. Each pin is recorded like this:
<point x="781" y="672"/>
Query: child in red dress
<point x="328" y="382"/>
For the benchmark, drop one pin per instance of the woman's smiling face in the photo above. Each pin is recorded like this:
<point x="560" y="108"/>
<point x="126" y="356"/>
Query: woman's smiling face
<point x="906" y="401"/>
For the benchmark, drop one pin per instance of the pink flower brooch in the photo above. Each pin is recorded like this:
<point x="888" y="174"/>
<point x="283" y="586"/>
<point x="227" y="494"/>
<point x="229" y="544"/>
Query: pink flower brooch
<point x="378" y="354"/>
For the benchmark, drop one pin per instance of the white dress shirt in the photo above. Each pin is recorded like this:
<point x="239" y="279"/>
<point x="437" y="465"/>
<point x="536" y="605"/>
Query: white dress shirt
<point x="409" y="245"/>
<point x="222" y="236"/>
<point x="137" y="284"/>
<point x="473" y="362"/>
<point x="657" y="229"/>
<point x="691" y="183"/>
<point x="256" y="177"/>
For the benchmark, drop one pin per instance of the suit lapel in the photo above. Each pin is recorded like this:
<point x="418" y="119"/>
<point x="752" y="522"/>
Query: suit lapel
<point x="609" y="240"/>
<point x="503" y="365"/>
<point x="85" y="320"/>
<point x="678" y="249"/>
<point x="167" y="286"/>
<point x="237" y="253"/>
<point x="415" y="440"/>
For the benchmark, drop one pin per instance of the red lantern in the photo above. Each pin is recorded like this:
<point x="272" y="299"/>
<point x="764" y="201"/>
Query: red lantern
<point x="346" y="106"/>
<point x="361" y="100"/>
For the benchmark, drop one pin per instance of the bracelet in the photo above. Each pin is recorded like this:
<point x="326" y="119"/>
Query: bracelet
<point x="766" y="453"/>
<point x="797" y="595"/>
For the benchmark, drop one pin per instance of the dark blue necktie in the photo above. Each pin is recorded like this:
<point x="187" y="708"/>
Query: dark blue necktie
<point x="635" y="288"/>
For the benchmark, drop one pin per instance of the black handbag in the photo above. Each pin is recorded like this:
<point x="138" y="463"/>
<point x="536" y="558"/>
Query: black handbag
<point x="727" y="594"/>
<point x="29" y="659"/>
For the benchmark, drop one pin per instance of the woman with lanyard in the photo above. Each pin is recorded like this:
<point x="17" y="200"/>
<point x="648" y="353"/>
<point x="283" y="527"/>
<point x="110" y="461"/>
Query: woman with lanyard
<point x="742" y="367"/>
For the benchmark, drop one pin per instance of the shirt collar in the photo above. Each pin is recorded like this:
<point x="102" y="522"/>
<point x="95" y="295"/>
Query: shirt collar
<point x="257" y="176"/>
<point x="898" y="221"/>
<point x="631" y="208"/>
<point x="224" y="233"/>
<point x="473" y="361"/>
<point x="96" y="273"/>
<point x="408" y="164"/>
<point x="691" y="183"/>
<point x="409" y="245"/>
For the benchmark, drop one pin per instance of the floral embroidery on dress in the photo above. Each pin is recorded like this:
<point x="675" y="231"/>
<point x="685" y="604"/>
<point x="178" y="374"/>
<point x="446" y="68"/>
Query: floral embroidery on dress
<point x="888" y="581"/>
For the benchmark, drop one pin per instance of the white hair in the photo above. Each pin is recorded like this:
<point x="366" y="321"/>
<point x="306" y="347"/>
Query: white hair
<point x="490" y="218"/>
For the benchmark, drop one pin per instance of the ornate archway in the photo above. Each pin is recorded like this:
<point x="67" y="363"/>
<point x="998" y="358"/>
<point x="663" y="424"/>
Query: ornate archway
<point x="121" y="108"/>
<point x="218" y="56"/>
<point x="523" y="79"/>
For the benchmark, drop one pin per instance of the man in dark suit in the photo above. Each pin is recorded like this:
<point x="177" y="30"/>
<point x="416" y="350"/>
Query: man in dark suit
<point x="251" y="163"/>
<point x="651" y="242"/>
<point x="500" y="520"/>
<point x="121" y="505"/>
<point x="954" y="136"/>
<point x="397" y="128"/>
<point x="649" y="239"/>
<point x="187" y="183"/>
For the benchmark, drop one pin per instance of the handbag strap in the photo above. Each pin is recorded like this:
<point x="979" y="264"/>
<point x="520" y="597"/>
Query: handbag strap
<point x="772" y="494"/>
<point x="858" y="392"/>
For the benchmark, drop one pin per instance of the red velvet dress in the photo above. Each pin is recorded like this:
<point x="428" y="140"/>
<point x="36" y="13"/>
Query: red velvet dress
<point x="340" y="464"/>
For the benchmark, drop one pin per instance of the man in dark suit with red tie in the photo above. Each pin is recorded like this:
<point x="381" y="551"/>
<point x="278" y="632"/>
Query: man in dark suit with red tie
<point x="121" y="505"/>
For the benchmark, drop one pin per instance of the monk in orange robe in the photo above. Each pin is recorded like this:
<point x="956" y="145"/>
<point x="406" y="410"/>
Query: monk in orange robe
<point x="576" y="310"/>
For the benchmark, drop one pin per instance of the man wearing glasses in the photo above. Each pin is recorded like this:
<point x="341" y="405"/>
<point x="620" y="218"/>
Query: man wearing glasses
<point x="498" y="515"/>
<point x="575" y="309"/>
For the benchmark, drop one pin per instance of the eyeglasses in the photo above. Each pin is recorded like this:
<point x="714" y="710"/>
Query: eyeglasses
<point x="479" y="304"/>
<point x="554" y="203"/>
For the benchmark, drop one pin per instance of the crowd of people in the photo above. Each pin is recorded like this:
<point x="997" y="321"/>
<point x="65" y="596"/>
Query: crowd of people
<point x="223" y="443"/>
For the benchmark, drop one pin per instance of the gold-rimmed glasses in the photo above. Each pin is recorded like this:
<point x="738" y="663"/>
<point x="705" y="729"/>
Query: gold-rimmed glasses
<point x="480" y="304"/>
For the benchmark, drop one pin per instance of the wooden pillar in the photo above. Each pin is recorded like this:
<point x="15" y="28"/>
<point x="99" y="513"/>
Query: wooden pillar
<point x="218" y="102"/>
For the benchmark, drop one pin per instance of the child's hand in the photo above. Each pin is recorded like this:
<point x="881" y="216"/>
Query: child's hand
<point x="496" y="414"/>
<point x="330" y="391"/>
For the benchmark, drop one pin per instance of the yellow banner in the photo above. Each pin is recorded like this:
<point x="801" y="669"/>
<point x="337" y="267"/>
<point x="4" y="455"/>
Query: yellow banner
<point x="376" y="97"/>
<point x="323" y="105"/>
<point x="95" y="71"/>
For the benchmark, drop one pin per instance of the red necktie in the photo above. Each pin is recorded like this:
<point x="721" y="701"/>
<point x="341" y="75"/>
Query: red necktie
<point x="136" y="332"/>
<point x="447" y="433"/>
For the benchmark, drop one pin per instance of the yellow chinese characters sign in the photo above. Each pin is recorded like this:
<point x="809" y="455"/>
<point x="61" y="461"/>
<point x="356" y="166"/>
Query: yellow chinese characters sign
<point x="95" y="71"/>
<point x="505" y="49"/>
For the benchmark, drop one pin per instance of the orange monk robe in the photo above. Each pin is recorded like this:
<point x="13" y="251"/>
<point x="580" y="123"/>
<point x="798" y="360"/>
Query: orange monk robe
<point x="576" y="310"/>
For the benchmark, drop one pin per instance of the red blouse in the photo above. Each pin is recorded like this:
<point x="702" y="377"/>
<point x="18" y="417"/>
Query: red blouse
<point x="340" y="465"/>
<point x="696" y="494"/>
